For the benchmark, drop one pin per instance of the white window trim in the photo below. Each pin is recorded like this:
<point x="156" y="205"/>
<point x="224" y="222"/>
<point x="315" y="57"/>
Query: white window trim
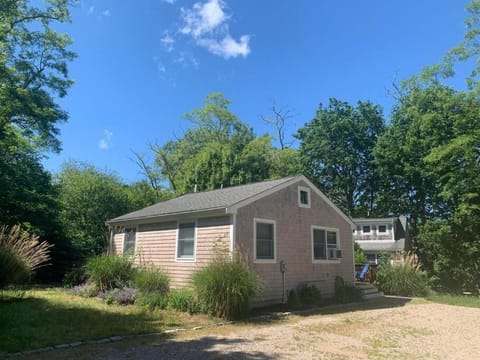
<point x="367" y="233"/>
<point x="264" y="261"/>
<point x="136" y="240"/>
<point x="194" y="258"/>
<point x="307" y="190"/>
<point x="324" y="261"/>
<point x="382" y="232"/>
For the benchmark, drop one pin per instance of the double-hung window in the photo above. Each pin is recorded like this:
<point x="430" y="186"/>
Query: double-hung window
<point x="129" y="240"/>
<point x="186" y="241"/>
<point x="325" y="244"/>
<point x="264" y="236"/>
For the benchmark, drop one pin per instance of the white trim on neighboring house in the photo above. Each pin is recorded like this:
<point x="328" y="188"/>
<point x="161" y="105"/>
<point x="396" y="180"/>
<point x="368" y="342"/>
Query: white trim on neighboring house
<point x="195" y="226"/>
<point x="323" y="261"/>
<point x="309" y="198"/>
<point x="265" y="221"/>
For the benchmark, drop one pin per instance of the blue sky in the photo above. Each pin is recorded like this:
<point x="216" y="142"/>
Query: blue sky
<point x="142" y="64"/>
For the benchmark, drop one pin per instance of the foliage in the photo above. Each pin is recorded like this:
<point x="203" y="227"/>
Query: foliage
<point x="149" y="279"/>
<point x="87" y="289"/>
<point x="88" y="198"/>
<point x="152" y="301"/>
<point x="33" y="68"/>
<point x="20" y="255"/>
<point x="109" y="272"/>
<point x="402" y="279"/>
<point x="337" y="154"/>
<point x="75" y="276"/>
<point x="360" y="257"/>
<point x="183" y="299"/>
<point x="293" y="300"/>
<point x="124" y="296"/>
<point x="217" y="150"/>
<point x="344" y="292"/>
<point x="226" y="285"/>
<point x="309" y="294"/>
<point x="457" y="300"/>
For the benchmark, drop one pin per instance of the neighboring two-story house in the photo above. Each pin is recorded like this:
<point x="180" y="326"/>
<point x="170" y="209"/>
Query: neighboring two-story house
<point x="381" y="235"/>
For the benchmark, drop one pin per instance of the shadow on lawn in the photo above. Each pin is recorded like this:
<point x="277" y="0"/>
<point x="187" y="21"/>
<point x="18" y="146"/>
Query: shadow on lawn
<point x="35" y="322"/>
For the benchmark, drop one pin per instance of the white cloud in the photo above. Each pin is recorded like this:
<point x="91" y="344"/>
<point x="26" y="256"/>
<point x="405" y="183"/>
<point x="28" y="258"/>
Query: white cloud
<point x="106" y="12"/>
<point x="227" y="47"/>
<point x="168" y="41"/>
<point x="91" y="9"/>
<point x="207" y="23"/>
<point x="171" y="2"/>
<point x="203" y="18"/>
<point x="105" y="143"/>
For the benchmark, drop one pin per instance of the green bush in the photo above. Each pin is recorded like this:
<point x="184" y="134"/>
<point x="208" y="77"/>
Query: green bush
<point x="225" y="286"/>
<point x="149" y="279"/>
<point x="402" y="280"/>
<point x="21" y="254"/>
<point x="75" y="276"/>
<point x="108" y="272"/>
<point x="360" y="257"/>
<point x="293" y="301"/>
<point x="183" y="299"/>
<point x="344" y="292"/>
<point x="13" y="269"/>
<point x="152" y="301"/>
<point x="309" y="294"/>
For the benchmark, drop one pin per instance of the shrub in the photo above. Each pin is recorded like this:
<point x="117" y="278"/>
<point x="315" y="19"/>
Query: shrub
<point x="21" y="254"/>
<point x="124" y="296"/>
<point x="75" y="276"/>
<point x="402" y="280"/>
<point x="344" y="292"/>
<point x="225" y="286"/>
<point x="109" y="272"/>
<point x="85" y="290"/>
<point x="149" y="279"/>
<point x="309" y="294"/>
<point x="183" y="299"/>
<point x="360" y="257"/>
<point x="152" y="301"/>
<point x="293" y="301"/>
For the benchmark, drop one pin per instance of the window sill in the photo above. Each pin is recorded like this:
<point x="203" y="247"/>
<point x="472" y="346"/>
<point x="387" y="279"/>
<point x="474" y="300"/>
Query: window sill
<point x="330" y="261"/>
<point x="185" y="260"/>
<point x="265" y="261"/>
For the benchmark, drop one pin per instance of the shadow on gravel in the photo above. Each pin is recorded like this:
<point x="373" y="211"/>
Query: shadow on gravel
<point x="278" y="313"/>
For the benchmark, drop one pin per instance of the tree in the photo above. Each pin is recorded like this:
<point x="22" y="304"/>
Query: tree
<point x="88" y="198"/>
<point x="336" y="151"/>
<point x="33" y="69"/>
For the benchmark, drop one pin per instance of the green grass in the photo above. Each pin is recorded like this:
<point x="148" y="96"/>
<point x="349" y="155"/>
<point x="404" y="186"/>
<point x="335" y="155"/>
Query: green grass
<point x="458" y="300"/>
<point x="53" y="316"/>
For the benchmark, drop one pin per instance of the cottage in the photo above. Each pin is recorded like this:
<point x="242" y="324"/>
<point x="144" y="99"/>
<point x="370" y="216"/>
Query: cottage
<point x="381" y="235"/>
<point x="285" y="223"/>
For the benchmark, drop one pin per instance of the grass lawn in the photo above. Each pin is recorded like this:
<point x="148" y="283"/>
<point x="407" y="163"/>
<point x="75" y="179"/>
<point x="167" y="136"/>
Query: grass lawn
<point x="459" y="300"/>
<point x="53" y="316"/>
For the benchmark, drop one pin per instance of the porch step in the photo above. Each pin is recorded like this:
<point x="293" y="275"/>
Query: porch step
<point x="368" y="291"/>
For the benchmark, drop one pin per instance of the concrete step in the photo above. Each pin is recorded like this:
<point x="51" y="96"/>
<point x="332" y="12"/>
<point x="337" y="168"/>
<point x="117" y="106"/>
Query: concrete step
<point x="368" y="291"/>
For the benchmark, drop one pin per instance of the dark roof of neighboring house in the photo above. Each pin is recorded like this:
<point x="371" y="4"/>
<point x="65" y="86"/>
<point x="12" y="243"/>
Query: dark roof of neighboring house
<point x="383" y="245"/>
<point x="204" y="201"/>
<point x="373" y="220"/>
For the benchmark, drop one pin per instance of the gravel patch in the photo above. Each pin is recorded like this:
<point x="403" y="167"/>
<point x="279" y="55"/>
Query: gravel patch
<point x="413" y="331"/>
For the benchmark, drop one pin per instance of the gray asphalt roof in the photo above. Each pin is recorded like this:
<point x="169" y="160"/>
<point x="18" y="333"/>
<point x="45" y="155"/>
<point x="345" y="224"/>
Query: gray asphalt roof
<point x="201" y="201"/>
<point x="382" y="246"/>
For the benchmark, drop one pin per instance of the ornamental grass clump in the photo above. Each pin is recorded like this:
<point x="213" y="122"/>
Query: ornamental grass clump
<point x="225" y="286"/>
<point x="21" y="254"/>
<point x="108" y="272"/>
<point x="149" y="279"/>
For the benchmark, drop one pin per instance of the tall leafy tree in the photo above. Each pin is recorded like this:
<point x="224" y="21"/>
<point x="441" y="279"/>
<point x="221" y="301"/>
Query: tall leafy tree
<point x="88" y="198"/>
<point x="336" y="151"/>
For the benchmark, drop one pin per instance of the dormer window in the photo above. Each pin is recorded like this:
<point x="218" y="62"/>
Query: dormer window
<point x="382" y="229"/>
<point x="303" y="197"/>
<point x="366" y="229"/>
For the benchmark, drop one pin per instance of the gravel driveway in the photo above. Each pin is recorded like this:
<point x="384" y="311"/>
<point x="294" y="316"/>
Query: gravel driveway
<point x="413" y="330"/>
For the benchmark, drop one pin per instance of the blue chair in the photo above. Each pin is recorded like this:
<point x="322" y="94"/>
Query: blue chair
<point x="361" y="275"/>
